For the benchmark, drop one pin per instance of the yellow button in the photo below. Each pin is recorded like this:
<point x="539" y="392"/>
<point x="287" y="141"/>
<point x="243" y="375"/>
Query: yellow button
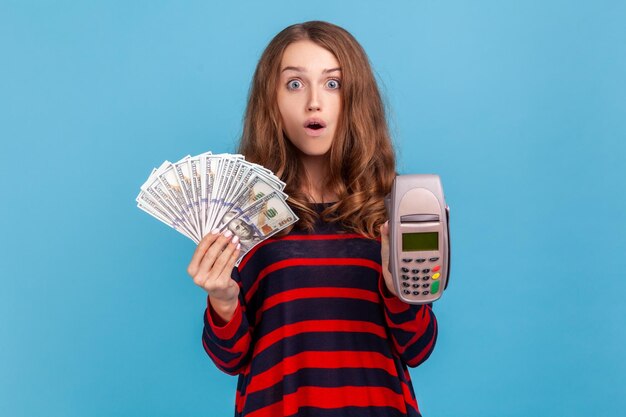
<point x="436" y="276"/>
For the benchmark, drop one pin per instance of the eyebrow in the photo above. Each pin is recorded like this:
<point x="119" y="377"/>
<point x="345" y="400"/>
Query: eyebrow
<point x="301" y="69"/>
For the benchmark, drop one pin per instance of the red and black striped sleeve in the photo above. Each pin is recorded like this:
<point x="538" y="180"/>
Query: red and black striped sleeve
<point x="228" y="344"/>
<point x="413" y="328"/>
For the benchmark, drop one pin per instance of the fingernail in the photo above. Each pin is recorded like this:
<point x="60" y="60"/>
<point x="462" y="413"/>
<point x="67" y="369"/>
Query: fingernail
<point x="228" y="233"/>
<point x="238" y="246"/>
<point x="235" y="239"/>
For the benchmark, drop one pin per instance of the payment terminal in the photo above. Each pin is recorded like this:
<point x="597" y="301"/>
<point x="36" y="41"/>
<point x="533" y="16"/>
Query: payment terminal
<point x="419" y="243"/>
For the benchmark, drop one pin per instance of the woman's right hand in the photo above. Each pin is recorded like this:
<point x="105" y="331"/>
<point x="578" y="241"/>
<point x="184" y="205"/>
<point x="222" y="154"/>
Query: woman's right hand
<point x="211" y="267"/>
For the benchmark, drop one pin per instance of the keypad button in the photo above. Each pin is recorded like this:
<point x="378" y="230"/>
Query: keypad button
<point x="420" y="260"/>
<point x="416" y="285"/>
<point x="435" y="287"/>
<point x="426" y="271"/>
<point x="415" y="271"/>
<point x="434" y="259"/>
<point x="426" y="285"/>
<point x="425" y="293"/>
<point x="406" y="292"/>
<point x="416" y="278"/>
<point x="425" y="277"/>
<point x="407" y="260"/>
<point x="406" y="284"/>
<point x="436" y="276"/>
<point x="405" y="277"/>
<point x="436" y="268"/>
<point x="416" y="293"/>
<point x="404" y="269"/>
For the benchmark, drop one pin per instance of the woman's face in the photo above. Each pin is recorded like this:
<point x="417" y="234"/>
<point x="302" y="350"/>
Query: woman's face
<point x="309" y="96"/>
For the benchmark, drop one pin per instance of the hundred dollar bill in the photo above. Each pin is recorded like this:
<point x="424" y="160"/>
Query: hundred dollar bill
<point x="183" y="176"/>
<point x="152" y="209"/>
<point x="243" y="180"/>
<point x="164" y="192"/>
<point x="213" y="179"/>
<point x="230" y="173"/>
<point x="166" y="176"/>
<point x="164" y="213"/>
<point x="240" y="180"/>
<point x="240" y="175"/>
<point x="267" y="216"/>
<point x="224" y="177"/>
<point x="218" y="179"/>
<point x="269" y="176"/>
<point x="195" y="170"/>
<point x="254" y="189"/>
<point x="209" y="171"/>
<point x="149" y="202"/>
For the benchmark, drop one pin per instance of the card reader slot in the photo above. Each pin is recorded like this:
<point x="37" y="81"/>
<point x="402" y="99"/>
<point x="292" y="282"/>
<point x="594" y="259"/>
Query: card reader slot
<point x="419" y="218"/>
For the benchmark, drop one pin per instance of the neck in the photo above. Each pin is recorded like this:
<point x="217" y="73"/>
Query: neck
<point x="316" y="170"/>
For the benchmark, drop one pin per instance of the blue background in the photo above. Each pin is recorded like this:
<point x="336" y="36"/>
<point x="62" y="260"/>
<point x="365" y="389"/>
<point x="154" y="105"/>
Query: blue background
<point x="519" y="105"/>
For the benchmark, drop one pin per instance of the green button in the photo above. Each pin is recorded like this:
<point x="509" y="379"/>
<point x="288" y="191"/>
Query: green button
<point x="435" y="287"/>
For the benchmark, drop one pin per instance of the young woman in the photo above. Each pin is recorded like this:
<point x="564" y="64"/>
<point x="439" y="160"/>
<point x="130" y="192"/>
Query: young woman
<point x="309" y="320"/>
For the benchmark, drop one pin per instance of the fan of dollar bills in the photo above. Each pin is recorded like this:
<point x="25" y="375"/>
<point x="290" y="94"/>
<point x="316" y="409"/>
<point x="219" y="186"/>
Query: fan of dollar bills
<point x="217" y="191"/>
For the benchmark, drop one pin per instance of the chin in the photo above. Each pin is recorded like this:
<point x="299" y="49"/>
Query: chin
<point x="314" y="152"/>
<point x="311" y="147"/>
<point x="314" y="148"/>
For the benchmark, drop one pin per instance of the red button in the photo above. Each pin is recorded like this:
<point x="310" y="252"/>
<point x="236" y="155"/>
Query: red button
<point x="436" y="268"/>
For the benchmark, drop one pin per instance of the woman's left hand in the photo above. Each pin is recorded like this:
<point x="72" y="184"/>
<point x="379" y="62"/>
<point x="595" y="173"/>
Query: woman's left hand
<point x="384" y="254"/>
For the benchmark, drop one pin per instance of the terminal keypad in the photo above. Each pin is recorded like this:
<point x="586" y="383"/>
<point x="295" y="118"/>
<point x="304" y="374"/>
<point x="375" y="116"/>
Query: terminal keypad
<point x="429" y="276"/>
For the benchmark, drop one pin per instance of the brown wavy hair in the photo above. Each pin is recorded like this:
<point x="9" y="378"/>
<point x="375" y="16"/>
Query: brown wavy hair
<point x="361" y="157"/>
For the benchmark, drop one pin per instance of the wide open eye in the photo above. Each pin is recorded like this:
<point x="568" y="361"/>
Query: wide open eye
<point x="294" y="84"/>
<point x="334" y="83"/>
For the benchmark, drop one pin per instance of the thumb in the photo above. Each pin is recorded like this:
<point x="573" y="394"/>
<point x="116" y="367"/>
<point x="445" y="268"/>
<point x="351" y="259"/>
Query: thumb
<point x="385" y="229"/>
<point x="384" y="243"/>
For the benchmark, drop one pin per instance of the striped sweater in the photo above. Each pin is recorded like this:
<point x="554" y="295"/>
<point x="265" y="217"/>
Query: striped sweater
<point x="317" y="333"/>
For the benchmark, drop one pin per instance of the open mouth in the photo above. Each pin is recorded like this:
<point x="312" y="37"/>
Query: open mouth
<point x="315" y="126"/>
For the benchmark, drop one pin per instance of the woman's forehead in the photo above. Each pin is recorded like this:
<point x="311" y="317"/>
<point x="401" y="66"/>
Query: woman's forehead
<point x="307" y="56"/>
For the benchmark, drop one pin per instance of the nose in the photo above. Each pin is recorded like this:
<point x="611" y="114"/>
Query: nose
<point x="314" y="101"/>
